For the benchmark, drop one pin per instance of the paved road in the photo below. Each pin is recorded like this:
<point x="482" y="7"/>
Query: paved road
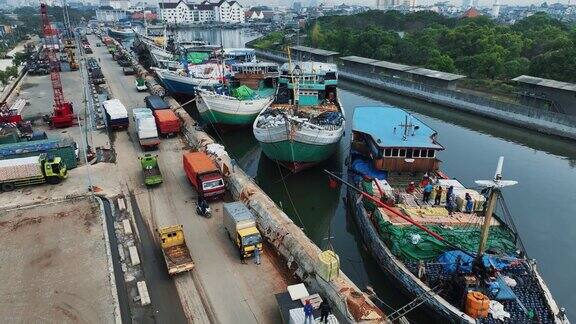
<point x="219" y="289"/>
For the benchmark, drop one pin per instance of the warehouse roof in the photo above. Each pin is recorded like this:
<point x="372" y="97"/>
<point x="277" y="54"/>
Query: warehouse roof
<point x="392" y="66"/>
<point x="436" y="74"/>
<point x="312" y="50"/>
<point x="546" y="83"/>
<point x="358" y="59"/>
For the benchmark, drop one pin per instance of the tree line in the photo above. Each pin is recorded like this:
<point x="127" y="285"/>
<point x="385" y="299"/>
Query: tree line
<point x="477" y="47"/>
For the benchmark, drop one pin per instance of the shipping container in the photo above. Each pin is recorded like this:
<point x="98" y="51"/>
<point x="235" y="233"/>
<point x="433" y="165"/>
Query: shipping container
<point x="65" y="148"/>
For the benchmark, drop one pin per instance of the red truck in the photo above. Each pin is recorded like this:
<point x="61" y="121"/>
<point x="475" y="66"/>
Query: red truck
<point x="167" y="122"/>
<point x="204" y="175"/>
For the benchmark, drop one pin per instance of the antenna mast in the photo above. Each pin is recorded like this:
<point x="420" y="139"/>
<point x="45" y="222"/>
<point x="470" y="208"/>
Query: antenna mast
<point x="494" y="186"/>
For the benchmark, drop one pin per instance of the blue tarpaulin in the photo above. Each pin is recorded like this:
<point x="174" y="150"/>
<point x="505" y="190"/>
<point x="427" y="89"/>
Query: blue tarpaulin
<point x="364" y="167"/>
<point x="449" y="261"/>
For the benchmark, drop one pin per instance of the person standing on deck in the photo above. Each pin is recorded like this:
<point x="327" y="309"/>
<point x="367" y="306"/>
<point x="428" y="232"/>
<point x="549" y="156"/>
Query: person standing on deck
<point x="411" y="187"/>
<point x="308" y="312"/>
<point x="427" y="192"/>
<point x="324" y="311"/>
<point x="450" y="200"/>
<point x="469" y="203"/>
<point x="438" y="196"/>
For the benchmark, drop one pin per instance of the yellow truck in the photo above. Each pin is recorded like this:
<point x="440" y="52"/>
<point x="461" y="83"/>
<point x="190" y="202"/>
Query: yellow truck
<point x="240" y="225"/>
<point x="176" y="253"/>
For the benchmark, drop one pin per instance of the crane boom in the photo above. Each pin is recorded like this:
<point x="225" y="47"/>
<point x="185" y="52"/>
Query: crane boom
<point x="63" y="113"/>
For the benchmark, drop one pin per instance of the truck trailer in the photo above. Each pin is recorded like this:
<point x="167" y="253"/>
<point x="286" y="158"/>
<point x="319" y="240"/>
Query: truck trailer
<point x="204" y="175"/>
<point x="167" y="121"/>
<point x="31" y="170"/>
<point x="146" y="128"/>
<point x="240" y="225"/>
<point x="116" y="114"/>
<point x="176" y="253"/>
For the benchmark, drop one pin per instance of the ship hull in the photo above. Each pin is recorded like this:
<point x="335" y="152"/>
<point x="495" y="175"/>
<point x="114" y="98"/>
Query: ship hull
<point x="299" y="148"/>
<point x="120" y="33"/>
<point x="404" y="278"/>
<point x="388" y="263"/>
<point x="224" y="110"/>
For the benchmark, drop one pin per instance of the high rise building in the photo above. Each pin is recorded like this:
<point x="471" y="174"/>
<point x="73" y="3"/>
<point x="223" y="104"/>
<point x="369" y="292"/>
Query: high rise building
<point x="496" y="9"/>
<point x="465" y="4"/>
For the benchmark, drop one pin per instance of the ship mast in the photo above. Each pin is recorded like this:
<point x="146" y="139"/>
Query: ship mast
<point x="494" y="186"/>
<point x="294" y="90"/>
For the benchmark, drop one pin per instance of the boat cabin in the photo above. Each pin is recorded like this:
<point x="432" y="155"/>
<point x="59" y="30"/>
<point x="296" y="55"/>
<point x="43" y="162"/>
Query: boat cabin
<point x="239" y="55"/>
<point x="315" y="83"/>
<point x="255" y="75"/>
<point x="395" y="140"/>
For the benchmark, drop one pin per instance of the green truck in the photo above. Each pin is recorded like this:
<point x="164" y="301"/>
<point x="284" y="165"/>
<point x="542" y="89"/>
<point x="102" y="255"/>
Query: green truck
<point x="141" y="84"/>
<point x="31" y="170"/>
<point x="151" y="169"/>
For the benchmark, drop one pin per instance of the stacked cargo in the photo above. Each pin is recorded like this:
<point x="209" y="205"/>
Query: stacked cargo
<point x="20" y="168"/>
<point x="64" y="148"/>
<point x="116" y="114"/>
<point x="168" y="123"/>
<point x="146" y="128"/>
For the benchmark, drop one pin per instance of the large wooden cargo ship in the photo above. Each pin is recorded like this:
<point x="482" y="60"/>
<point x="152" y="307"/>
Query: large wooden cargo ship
<point x="446" y="248"/>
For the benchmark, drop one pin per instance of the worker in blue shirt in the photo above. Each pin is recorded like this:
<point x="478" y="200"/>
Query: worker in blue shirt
<point x="427" y="192"/>
<point x="308" y="312"/>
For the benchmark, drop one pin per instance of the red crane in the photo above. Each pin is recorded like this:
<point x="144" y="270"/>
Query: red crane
<point x="63" y="115"/>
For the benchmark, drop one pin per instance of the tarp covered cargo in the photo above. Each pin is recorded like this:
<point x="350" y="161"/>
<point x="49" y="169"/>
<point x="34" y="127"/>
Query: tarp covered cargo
<point x="62" y="147"/>
<point x="20" y="168"/>
<point x="243" y="93"/>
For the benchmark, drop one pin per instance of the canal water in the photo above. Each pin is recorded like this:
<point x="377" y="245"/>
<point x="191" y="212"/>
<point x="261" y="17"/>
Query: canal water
<point x="543" y="204"/>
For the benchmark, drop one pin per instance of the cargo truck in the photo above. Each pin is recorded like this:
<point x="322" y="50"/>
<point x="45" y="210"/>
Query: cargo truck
<point x="116" y="114"/>
<point x="146" y="128"/>
<point x="174" y="249"/>
<point x="167" y="122"/>
<point x="151" y="170"/>
<point x="156" y="103"/>
<point x="204" y="175"/>
<point x="31" y="170"/>
<point x="141" y="85"/>
<point x="240" y="225"/>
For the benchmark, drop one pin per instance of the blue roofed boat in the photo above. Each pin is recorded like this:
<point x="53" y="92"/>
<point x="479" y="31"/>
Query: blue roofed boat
<point x="449" y="249"/>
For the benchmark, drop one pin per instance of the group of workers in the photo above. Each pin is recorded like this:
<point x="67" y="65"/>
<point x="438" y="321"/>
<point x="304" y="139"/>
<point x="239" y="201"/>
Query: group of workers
<point x="325" y="311"/>
<point x="428" y="188"/>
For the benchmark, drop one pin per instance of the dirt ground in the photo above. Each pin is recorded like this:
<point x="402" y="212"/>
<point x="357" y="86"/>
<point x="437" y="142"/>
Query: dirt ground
<point x="54" y="266"/>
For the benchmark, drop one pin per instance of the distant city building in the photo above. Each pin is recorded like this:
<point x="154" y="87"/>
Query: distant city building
<point x="116" y="4"/>
<point x="185" y="13"/>
<point x="297" y="6"/>
<point x="496" y="9"/>
<point x="109" y="14"/>
<point x="466" y="4"/>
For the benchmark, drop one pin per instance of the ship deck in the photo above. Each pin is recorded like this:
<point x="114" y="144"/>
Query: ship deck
<point x="434" y="215"/>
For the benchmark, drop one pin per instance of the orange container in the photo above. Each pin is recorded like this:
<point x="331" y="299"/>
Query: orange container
<point x="167" y="121"/>
<point x="477" y="304"/>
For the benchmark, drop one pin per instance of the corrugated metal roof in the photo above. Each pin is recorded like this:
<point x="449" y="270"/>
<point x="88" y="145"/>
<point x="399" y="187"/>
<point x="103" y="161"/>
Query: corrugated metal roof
<point x="312" y="50"/>
<point x="358" y="59"/>
<point x="546" y="83"/>
<point x="436" y="74"/>
<point x="392" y="66"/>
<point x="383" y="124"/>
